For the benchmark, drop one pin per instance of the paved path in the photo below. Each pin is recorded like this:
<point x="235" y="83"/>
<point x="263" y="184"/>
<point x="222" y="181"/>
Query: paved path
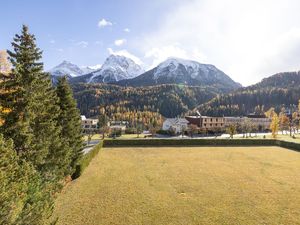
<point x="91" y="145"/>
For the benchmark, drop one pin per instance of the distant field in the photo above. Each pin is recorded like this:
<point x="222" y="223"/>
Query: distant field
<point x="186" y="186"/>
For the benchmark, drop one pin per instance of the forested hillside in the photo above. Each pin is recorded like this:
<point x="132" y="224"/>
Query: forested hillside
<point x="169" y="100"/>
<point x="279" y="90"/>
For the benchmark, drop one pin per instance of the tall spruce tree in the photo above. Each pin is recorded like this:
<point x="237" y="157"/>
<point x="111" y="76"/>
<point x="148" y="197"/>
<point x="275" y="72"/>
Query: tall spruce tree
<point x="32" y="119"/>
<point x="69" y="120"/>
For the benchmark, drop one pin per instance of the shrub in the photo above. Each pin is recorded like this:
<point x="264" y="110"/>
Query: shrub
<point x="130" y="130"/>
<point x="85" y="160"/>
<point x="188" y="142"/>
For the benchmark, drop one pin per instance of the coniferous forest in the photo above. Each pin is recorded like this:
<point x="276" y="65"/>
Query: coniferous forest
<point x="40" y="140"/>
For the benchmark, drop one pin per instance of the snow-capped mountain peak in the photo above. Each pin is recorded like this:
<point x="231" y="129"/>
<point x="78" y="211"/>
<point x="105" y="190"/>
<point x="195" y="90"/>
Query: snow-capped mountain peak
<point x="116" y="68"/>
<point x="172" y="65"/>
<point x="66" y="68"/>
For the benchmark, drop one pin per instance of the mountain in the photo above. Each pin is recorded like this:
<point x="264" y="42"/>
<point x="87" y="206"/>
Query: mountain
<point x="280" y="80"/>
<point x="170" y="100"/>
<point x="180" y="71"/>
<point x="114" y="69"/>
<point x="279" y="90"/>
<point x="67" y="68"/>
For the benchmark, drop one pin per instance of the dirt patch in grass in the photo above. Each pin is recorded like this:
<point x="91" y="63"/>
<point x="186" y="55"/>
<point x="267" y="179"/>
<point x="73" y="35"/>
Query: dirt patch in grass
<point x="194" y="185"/>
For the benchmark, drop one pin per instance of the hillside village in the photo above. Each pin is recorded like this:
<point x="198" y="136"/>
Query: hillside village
<point x="197" y="125"/>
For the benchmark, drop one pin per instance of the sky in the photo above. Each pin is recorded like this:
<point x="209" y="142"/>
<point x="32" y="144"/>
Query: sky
<point x="247" y="39"/>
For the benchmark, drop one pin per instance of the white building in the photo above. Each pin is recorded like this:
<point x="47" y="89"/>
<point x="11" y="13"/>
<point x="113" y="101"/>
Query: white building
<point x="260" y="121"/>
<point x="178" y="124"/>
<point x="89" y="124"/>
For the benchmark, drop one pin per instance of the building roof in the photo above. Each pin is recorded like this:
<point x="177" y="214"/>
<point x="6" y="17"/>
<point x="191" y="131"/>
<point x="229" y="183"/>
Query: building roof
<point x="176" y="120"/>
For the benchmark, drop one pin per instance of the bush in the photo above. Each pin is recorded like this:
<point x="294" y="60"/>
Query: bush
<point x="201" y="142"/>
<point x="130" y="130"/>
<point x="85" y="160"/>
<point x="188" y="142"/>
<point x="163" y="132"/>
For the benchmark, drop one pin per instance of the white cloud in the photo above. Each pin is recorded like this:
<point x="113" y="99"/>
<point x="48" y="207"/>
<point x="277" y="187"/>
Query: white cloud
<point x="126" y="54"/>
<point x="248" y="39"/>
<point x="60" y="50"/>
<point x="104" y="23"/>
<point x="120" y="42"/>
<point x="82" y="44"/>
<point x="158" y="55"/>
<point x="127" y="30"/>
<point x="52" y="41"/>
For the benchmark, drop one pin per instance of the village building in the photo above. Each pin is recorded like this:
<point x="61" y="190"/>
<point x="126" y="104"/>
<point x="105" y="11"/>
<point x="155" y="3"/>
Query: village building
<point x="207" y="122"/>
<point x="261" y="122"/>
<point x="89" y="124"/>
<point x="178" y="125"/>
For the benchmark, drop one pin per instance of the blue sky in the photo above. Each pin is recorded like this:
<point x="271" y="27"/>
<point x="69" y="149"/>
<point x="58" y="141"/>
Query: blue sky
<point x="68" y="29"/>
<point x="248" y="39"/>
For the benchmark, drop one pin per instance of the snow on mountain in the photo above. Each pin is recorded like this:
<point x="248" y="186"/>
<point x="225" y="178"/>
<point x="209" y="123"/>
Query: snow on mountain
<point x="89" y="69"/>
<point x="175" y="66"/>
<point x="181" y="71"/>
<point x="66" y="68"/>
<point x="116" y="68"/>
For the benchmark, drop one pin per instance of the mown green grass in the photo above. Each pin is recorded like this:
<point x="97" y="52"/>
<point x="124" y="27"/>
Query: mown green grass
<point x="186" y="186"/>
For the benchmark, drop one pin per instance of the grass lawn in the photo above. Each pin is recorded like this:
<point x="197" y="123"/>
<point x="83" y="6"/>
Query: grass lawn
<point x="186" y="186"/>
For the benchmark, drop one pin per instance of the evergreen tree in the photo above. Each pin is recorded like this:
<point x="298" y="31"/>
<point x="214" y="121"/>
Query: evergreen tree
<point x="32" y="120"/>
<point x="22" y="196"/>
<point x="69" y="120"/>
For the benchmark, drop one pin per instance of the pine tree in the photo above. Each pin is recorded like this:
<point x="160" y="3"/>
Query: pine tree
<point x="69" y="120"/>
<point x="22" y="196"/>
<point x="32" y="120"/>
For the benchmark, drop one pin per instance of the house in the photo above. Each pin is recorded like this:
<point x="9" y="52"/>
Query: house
<point x="121" y="128"/>
<point x="260" y="121"/>
<point x="207" y="122"/>
<point x="89" y="124"/>
<point x="177" y="124"/>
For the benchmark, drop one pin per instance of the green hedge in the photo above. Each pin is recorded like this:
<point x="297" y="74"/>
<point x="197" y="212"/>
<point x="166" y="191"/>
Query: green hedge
<point x="290" y="145"/>
<point x="86" y="159"/>
<point x="188" y="142"/>
<point x="200" y="142"/>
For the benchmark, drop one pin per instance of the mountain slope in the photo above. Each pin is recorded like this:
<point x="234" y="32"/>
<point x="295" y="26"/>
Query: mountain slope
<point x="114" y="69"/>
<point x="168" y="99"/>
<point x="180" y="71"/>
<point x="66" y="69"/>
<point x="279" y="90"/>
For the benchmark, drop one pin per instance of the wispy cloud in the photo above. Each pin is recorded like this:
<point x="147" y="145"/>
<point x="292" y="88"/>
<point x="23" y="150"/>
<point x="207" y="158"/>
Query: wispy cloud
<point x="120" y="42"/>
<point x="82" y="44"/>
<point x="52" y="41"/>
<point x="104" y="23"/>
<point x="127" y="30"/>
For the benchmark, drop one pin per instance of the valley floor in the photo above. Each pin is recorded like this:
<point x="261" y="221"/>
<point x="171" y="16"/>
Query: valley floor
<point x="192" y="185"/>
